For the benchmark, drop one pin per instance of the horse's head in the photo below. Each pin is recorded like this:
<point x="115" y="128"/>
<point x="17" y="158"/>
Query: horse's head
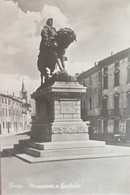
<point x="65" y="36"/>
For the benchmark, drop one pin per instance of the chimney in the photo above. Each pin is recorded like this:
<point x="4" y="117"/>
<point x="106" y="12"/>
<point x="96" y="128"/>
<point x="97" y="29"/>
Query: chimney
<point x="95" y="63"/>
<point x="111" y="53"/>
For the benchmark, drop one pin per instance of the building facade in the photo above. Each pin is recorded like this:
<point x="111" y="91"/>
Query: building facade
<point x="114" y="115"/>
<point x="10" y="114"/>
<point x="115" y="93"/>
<point x="91" y="101"/>
<point x="15" y="113"/>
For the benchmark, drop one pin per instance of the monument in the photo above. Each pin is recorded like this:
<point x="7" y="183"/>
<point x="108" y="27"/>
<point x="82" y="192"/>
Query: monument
<point x="58" y="131"/>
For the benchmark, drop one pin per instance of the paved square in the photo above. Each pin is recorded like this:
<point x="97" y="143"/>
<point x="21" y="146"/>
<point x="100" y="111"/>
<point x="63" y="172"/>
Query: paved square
<point x="88" y="176"/>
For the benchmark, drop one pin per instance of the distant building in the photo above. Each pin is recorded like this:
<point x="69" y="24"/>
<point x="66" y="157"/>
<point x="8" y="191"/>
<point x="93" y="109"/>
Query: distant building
<point x="10" y="114"/>
<point x="15" y="113"/>
<point x="26" y="109"/>
<point x="112" y="115"/>
<point x="91" y="101"/>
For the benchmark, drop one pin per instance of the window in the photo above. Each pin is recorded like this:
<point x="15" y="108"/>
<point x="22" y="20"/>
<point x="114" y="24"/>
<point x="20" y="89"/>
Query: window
<point x="128" y="103"/>
<point x="2" y="100"/>
<point x="90" y="81"/>
<point x="9" y="124"/>
<point x="116" y="105"/>
<point x="84" y="82"/>
<point x="105" y="69"/>
<point x="84" y="102"/>
<point x="105" y="125"/>
<point x="3" y="111"/>
<point x="99" y="76"/>
<point x="129" y="58"/>
<point x="99" y="123"/>
<point x="6" y="112"/>
<point x="128" y="74"/>
<point x="116" y="78"/>
<point x="9" y="102"/>
<point x="90" y="103"/>
<point x="116" y="126"/>
<point x="6" y="124"/>
<point x="105" y="111"/>
<point x="9" y="112"/>
<point x="3" y="125"/>
<point x="5" y="101"/>
<point x="105" y="81"/>
<point x="117" y="65"/>
<point x="98" y="100"/>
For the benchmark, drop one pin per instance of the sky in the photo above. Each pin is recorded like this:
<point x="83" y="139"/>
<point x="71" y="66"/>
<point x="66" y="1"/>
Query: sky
<point x="102" y="27"/>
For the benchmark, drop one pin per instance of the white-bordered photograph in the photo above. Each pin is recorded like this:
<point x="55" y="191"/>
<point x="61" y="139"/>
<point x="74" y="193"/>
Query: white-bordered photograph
<point x="64" y="97"/>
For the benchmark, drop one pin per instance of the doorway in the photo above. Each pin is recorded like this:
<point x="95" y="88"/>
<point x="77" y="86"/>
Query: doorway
<point x="116" y="126"/>
<point x="128" y="129"/>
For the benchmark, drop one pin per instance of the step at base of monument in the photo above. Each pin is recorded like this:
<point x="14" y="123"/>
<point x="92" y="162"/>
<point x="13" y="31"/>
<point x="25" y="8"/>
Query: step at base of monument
<point x="31" y="159"/>
<point x="61" y="145"/>
<point x="61" y="152"/>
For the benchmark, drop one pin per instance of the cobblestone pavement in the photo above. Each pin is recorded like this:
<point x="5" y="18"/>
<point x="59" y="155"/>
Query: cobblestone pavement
<point x="90" y="176"/>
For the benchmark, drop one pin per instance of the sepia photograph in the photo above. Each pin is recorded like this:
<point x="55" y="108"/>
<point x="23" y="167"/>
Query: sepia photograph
<point x="64" y="97"/>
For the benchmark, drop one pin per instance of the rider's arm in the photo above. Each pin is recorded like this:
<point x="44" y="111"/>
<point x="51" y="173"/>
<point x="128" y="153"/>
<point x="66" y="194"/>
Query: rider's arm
<point x="44" y="33"/>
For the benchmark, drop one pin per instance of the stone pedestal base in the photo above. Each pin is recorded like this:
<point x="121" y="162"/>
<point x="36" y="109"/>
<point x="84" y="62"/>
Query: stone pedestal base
<point x="58" y="113"/>
<point x="58" y="133"/>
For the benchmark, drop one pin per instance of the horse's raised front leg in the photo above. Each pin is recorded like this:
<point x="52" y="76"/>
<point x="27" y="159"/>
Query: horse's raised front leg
<point x="59" y="64"/>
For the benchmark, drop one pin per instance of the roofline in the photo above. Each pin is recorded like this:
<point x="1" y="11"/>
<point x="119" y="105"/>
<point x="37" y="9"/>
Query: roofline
<point x="10" y="96"/>
<point x="106" y="61"/>
<point x="112" y="57"/>
<point x="88" y="72"/>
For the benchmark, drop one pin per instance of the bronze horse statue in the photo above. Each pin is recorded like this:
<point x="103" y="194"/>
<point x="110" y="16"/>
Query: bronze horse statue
<point x="51" y="56"/>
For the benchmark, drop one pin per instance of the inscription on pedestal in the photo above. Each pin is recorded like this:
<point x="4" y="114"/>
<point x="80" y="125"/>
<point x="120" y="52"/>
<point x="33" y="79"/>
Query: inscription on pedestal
<point x="67" y="107"/>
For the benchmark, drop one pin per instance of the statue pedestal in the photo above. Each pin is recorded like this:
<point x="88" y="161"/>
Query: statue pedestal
<point x="58" y="115"/>
<point x="58" y="133"/>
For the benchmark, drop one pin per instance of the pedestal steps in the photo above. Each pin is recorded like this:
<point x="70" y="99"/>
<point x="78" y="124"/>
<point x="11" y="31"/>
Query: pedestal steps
<point x="61" y="145"/>
<point x="61" y="149"/>
<point x="31" y="159"/>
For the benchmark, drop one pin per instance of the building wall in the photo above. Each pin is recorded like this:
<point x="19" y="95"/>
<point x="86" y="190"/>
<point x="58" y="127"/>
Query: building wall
<point x="122" y="90"/>
<point x="108" y="121"/>
<point x="91" y="109"/>
<point x="10" y="114"/>
<point x="12" y="118"/>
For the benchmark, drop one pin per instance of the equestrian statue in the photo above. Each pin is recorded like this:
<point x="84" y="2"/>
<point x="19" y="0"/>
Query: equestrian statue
<point x="52" y="49"/>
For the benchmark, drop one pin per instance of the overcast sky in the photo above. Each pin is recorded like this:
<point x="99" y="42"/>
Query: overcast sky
<point x="102" y="27"/>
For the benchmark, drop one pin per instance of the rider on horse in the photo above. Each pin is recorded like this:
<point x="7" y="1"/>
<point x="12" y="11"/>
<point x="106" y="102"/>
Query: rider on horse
<point x="52" y="49"/>
<point x="48" y="34"/>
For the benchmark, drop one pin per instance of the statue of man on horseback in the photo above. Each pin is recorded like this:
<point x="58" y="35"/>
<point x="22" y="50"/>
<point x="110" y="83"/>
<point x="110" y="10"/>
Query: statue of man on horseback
<point x="48" y="34"/>
<point x="52" y="48"/>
